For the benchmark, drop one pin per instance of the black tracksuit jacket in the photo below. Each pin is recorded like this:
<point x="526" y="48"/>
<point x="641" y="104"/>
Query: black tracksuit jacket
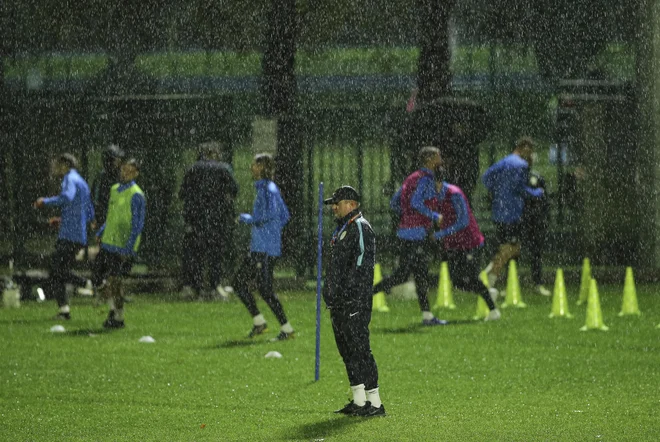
<point x="351" y="260"/>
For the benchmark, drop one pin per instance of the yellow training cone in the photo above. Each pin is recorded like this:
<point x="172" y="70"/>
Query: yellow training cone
<point x="379" y="303"/>
<point x="482" y="307"/>
<point x="585" y="281"/>
<point x="513" y="297"/>
<point x="559" y="299"/>
<point x="444" y="299"/>
<point x="629" y="306"/>
<point x="594" y="315"/>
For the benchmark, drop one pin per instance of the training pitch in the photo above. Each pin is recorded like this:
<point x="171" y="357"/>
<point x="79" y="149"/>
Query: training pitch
<point x="526" y="377"/>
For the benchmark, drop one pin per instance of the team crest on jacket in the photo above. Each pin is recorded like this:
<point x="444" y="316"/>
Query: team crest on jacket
<point x="342" y="236"/>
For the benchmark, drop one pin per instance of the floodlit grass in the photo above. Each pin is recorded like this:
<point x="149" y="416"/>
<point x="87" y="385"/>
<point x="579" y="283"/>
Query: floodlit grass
<point x="616" y="60"/>
<point x="526" y="377"/>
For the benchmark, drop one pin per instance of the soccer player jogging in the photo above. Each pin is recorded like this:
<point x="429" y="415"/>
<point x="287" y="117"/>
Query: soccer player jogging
<point x="268" y="218"/>
<point x="412" y="202"/>
<point x="507" y="182"/>
<point x="347" y="293"/>
<point x="463" y="242"/>
<point x="119" y="238"/>
<point x="76" y="212"/>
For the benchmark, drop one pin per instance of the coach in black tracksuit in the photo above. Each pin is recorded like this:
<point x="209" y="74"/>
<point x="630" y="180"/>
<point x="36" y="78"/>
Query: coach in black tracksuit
<point x="208" y="192"/>
<point x="347" y="293"/>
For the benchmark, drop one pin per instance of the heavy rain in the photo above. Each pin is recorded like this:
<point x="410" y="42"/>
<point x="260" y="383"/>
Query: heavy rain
<point x="329" y="220"/>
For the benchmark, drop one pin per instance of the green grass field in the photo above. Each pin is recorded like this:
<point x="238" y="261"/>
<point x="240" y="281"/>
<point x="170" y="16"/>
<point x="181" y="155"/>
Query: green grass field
<point x="524" y="378"/>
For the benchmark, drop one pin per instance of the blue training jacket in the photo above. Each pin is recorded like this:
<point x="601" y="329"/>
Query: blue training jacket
<point x="75" y="203"/>
<point x="424" y="192"/>
<point x="508" y="182"/>
<point x="268" y="218"/>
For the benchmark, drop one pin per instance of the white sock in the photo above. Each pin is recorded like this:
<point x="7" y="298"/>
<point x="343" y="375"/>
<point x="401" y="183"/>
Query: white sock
<point x="65" y="309"/>
<point x="119" y="314"/>
<point x="286" y="328"/>
<point x="374" y="397"/>
<point x="359" y="395"/>
<point x="427" y="316"/>
<point x="259" y="319"/>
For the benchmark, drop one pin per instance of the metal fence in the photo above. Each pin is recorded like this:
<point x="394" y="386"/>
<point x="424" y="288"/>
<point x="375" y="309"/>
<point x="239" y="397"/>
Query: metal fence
<point x="342" y="145"/>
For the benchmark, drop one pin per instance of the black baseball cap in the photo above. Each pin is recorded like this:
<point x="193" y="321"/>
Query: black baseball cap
<point x="343" y="193"/>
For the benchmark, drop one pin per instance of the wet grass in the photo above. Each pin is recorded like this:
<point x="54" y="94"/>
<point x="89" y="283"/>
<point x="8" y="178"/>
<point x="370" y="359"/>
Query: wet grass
<point x="526" y="377"/>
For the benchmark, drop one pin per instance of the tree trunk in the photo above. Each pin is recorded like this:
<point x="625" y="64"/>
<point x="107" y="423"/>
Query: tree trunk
<point x="454" y="125"/>
<point x="278" y="90"/>
<point x="433" y="74"/>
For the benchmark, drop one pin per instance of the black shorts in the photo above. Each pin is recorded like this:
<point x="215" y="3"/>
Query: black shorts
<point x="111" y="264"/>
<point x="509" y="233"/>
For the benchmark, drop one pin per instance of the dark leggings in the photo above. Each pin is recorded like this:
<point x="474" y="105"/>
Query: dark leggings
<point x="414" y="258"/>
<point x="464" y="271"/>
<point x="258" y="267"/>
<point x="60" y="270"/>
<point x="534" y="244"/>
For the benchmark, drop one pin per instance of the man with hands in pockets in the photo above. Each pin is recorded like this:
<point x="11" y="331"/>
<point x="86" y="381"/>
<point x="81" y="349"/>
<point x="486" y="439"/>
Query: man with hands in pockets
<point x="347" y="293"/>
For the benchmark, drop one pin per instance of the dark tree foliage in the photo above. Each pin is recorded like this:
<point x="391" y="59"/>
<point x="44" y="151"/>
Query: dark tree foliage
<point x="566" y="34"/>
<point x="357" y="23"/>
<point x="213" y="24"/>
<point x="91" y="25"/>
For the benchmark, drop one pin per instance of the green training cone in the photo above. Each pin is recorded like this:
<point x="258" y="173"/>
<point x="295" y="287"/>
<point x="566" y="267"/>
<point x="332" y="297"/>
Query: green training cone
<point x="513" y="297"/>
<point x="559" y="299"/>
<point x="482" y="307"/>
<point x="444" y="298"/>
<point x="594" y="319"/>
<point x="629" y="306"/>
<point x="379" y="303"/>
<point x="585" y="280"/>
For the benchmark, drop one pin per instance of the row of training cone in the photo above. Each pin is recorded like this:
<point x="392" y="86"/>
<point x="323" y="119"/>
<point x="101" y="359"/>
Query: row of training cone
<point x="588" y="293"/>
<point x="629" y="307"/>
<point x="594" y="319"/>
<point x="445" y="300"/>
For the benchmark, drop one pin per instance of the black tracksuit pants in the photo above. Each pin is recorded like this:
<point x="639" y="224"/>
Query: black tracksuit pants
<point x="351" y="328"/>
<point x="464" y="270"/>
<point x="61" y="263"/>
<point x="258" y="267"/>
<point x="204" y="248"/>
<point x="414" y="258"/>
<point x="534" y="244"/>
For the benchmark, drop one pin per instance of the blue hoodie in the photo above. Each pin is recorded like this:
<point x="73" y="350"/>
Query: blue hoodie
<point x="423" y="181"/>
<point x="508" y="182"/>
<point x="269" y="217"/>
<point x="76" y="205"/>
